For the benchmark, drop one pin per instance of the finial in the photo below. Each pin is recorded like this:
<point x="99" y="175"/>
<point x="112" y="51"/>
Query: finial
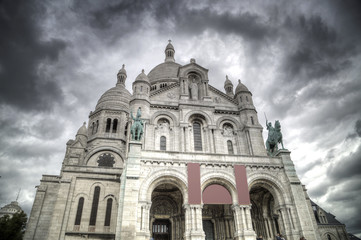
<point x="123" y="66"/>
<point x="84" y="123"/>
<point x="169" y="41"/>
<point x="227" y="77"/>
<point x="142" y="70"/>
<point x="239" y="80"/>
<point x="193" y="60"/>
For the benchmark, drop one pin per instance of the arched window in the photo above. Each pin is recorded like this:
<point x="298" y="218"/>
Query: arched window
<point x="163" y="143"/>
<point x="126" y="129"/>
<point x="230" y="147"/>
<point x="93" y="128"/>
<point x="115" y="125"/>
<point x="79" y="211"/>
<point x="108" y="212"/>
<point x="94" y="209"/>
<point x="252" y="121"/>
<point x="328" y="237"/>
<point x="197" y="136"/>
<point x="96" y="126"/>
<point x="247" y="98"/>
<point x="109" y="122"/>
<point x="240" y="98"/>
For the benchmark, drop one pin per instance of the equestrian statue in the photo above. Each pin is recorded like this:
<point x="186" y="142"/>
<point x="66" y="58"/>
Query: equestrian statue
<point x="274" y="137"/>
<point x="137" y="127"/>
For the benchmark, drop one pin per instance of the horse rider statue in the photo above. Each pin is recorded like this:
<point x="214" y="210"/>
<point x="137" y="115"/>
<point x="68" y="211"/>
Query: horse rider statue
<point x="274" y="137"/>
<point x="137" y="127"/>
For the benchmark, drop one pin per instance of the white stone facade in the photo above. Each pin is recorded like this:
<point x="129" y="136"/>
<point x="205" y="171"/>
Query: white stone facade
<point x="113" y="188"/>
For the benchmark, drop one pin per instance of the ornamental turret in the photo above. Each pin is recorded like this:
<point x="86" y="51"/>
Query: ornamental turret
<point x="169" y="52"/>
<point x="228" y="86"/>
<point x="141" y="90"/>
<point x="122" y="76"/>
<point x="82" y="135"/>
<point x="243" y="96"/>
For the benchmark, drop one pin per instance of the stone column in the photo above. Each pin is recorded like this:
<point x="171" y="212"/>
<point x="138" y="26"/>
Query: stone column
<point x="194" y="225"/>
<point x="144" y="224"/>
<point x="243" y="223"/>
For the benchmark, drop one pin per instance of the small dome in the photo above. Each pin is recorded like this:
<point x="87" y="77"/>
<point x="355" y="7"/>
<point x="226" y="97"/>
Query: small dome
<point x="122" y="71"/>
<point x="241" y="87"/>
<point x="169" y="46"/>
<point x="116" y="98"/>
<point x="142" y="77"/>
<point x="82" y="130"/>
<point x="164" y="71"/>
<point x="227" y="82"/>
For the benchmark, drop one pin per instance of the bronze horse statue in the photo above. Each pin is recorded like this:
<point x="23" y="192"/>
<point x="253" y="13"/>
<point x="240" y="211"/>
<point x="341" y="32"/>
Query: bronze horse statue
<point x="274" y="137"/>
<point x="137" y="127"/>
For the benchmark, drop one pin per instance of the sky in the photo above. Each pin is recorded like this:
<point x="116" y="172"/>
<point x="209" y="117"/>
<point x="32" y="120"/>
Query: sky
<point x="300" y="59"/>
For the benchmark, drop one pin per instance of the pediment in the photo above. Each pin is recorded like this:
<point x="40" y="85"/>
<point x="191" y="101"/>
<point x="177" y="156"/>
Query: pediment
<point x="220" y="98"/>
<point x="167" y="94"/>
<point x="193" y="67"/>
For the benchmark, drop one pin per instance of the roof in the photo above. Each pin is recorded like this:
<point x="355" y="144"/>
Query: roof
<point x="115" y="98"/>
<point x="241" y="87"/>
<point x="164" y="71"/>
<point x="331" y="219"/>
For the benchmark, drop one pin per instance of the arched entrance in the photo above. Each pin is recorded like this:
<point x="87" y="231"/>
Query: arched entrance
<point x="265" y="220"/>
<point x="166" y="213"/>
<point x="217" y="213"/>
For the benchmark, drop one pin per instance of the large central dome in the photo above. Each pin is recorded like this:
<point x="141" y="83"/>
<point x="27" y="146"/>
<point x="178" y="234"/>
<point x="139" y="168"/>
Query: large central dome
<point x="164" y="71"/>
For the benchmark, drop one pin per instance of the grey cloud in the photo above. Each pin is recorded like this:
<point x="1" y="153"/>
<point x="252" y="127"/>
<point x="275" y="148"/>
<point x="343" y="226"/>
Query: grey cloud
<point x="349" y="168"/>
<point x="22" y="52"/>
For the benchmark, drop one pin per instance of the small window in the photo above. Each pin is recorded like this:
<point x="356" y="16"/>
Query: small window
<point x="93" y="128"/>
<point x="97" y="126"/>
<point x="115" y="125"/>
<point x="328" y="237"/>
<point x="197" y="135"/>
<point x="109" y="122"/>
<point x="230" y="147"/>
<point x="79" y="211"/>
<point x="94" y="209"/>
<point x="252" y="121"/>
<point x="240" y="98"/>
<point x="141" y="88"/>
<point x="163" y="143"/>
<point x="126" y="129"/>
<point x="247" y="98"/>
<point x="108" y="212"/>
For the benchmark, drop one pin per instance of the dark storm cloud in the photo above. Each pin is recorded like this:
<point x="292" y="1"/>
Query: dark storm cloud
<point x="176" y="16"/>
<point x="22" y="52"/>
<point x="320" y="51"/>
<point x="349" y="168"/>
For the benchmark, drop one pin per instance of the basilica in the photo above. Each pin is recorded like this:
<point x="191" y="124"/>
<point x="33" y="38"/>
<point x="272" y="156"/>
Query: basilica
<point x="175" y="159"/>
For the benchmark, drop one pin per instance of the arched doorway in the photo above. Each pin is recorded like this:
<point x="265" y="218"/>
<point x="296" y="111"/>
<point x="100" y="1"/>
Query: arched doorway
<point x="265" y="220"/>
<point x="166" y="213"/>
<point x="217" y="213"/>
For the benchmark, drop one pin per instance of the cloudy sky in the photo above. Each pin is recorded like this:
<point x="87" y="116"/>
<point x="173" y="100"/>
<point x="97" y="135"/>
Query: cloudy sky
<point x="300" y="59"/>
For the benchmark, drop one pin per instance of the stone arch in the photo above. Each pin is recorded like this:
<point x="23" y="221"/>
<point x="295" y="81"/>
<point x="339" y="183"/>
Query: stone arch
<point x="236" y="124"/>
<point x="208" y="119"/>
<point x="79" y="195"/>
<point x="156" y="178"/>
<point x="270" y="183"/>
<point x="222" y="178"/>
<point x="100" y="149"/>
<point x="333" y="236"/>
<point x="197" y="71"/>
<point x="102" y="190"/>
<point x="171" y="116"/>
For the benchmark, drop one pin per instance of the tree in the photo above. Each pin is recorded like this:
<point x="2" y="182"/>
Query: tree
<point x="13" y="228"/>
